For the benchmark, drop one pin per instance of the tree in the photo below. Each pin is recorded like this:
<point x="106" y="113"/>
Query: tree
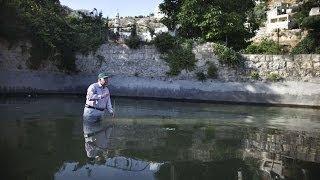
<point x="311" y="43"/>
<point x="303" y="10"/>
<point x="260" y="13"/>
<point x="54" y="34"/>
<point x="171" y="9"/>
<point x="311" y="23"/>
<point x="212" y="20"/>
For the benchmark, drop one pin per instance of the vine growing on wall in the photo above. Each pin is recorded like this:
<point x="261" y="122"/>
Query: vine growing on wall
<point x="177" y="52"/>
<point x="228" y="56"/>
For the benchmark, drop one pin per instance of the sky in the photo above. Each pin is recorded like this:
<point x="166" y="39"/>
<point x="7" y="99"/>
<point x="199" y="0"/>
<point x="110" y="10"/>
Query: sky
<point x="111" y="7"/>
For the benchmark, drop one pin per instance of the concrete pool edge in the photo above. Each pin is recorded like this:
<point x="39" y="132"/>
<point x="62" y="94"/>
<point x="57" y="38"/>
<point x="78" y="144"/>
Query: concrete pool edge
<point x="287" y="93"/>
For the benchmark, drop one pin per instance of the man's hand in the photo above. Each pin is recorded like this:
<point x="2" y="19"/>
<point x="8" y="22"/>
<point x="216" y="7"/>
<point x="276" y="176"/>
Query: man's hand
<point x="112" y="115"/>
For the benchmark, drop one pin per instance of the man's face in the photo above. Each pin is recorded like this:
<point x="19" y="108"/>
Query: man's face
<point x="104" y="81"/>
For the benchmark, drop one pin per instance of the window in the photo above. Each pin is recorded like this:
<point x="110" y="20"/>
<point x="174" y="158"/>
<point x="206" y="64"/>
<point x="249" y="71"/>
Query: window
<point x="273" y="20"/>
<point x="282" y="19"/>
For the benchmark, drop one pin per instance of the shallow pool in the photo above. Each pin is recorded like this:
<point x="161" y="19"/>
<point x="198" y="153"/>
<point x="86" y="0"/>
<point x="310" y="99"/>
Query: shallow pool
<point x="45" y="138"/>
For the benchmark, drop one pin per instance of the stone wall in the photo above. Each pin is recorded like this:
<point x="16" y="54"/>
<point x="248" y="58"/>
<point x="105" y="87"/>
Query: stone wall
<point x="305" y="67"/>
<point x="147" y="62"/>
<point x="14" y="57"/>
<point x="118" y="59"/>
<point x="142" y="73"/>
<point x="287" y="37"/>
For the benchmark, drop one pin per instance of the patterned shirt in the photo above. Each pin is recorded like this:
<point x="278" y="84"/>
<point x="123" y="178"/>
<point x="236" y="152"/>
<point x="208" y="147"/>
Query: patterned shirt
<point x="95" y="97"/>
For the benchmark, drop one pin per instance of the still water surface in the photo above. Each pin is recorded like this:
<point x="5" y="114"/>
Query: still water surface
<point x="45" y="138"/>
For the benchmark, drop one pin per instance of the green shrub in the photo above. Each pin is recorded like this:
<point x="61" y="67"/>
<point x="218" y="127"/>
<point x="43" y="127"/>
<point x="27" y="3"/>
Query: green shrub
<point x="66" y="61"/>
<point x="151" y="31"/>
<point x="303" y="10"/>
<point x="180" y="59"/>
<point x="133" y="42"/>
<point x="184" y="43"/>
<point x="212" y="71"/>
<point x="38" y="54"/>
<point x="227" y="55"/>
<point x="309" y="45"/>
<point x="255" y="75"/>
<point x="311" y="22"/>
<point x="177" y="52"/>
<point x="201" y="76"/>
<point x="265" y="47"/>
<point x="274" y="77"/>
<point x="164" y="42"/>
<point x="317" y="50"/>
<point x="252" y="49"/>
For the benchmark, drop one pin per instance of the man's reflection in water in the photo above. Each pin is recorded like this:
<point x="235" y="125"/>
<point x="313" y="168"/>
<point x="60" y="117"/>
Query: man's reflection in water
<point x="97" y="145"/>
<point x="96" y="136"/>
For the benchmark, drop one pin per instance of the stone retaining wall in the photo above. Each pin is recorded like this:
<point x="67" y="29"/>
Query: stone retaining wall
<point x="118" y="59"/>
<point x="142" y="73"/>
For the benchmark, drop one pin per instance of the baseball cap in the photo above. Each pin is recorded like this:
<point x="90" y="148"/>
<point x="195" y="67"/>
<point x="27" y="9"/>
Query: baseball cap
<point x="103" y="75"/>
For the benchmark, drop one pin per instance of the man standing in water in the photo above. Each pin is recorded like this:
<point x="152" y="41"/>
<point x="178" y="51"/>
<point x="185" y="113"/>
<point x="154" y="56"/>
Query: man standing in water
<point x="98" y="99"/>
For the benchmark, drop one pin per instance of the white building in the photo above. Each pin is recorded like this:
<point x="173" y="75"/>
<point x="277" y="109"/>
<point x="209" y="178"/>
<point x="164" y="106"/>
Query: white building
<point x="314" y="11"/>
<point x="122" y="26"/>
<point x="279" y="17"/>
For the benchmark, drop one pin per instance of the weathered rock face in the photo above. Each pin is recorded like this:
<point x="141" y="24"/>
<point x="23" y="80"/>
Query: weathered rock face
<point x="303" y="67"/>
<point x="14" y="57"/>
<point x="303" y="146"/>
<point x="147" y="62"/>
<point x="287" y="37"/>
<point x="118" y="59"/>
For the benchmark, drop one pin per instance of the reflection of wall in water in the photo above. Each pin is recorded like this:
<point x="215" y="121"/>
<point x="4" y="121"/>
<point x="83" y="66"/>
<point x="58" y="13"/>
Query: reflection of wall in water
<point x="296" y="145"/>
<point x="184" y="142"/>
<point x="284" y="154"/>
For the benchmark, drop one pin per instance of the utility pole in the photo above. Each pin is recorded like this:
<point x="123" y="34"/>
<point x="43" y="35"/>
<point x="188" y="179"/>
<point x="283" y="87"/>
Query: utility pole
<point x="278" y="40"/>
